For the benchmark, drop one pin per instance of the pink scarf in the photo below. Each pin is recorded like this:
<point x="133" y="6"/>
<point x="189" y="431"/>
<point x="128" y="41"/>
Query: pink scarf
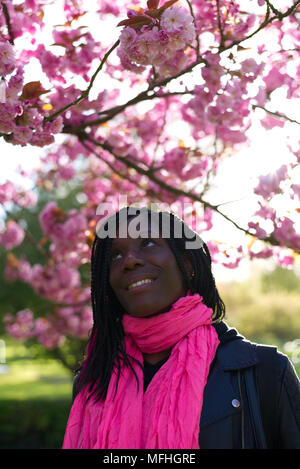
<point x="167" y="415"/>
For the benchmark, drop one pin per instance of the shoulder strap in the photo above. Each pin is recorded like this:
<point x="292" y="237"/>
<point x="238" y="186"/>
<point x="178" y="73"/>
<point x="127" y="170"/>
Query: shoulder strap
<point x="254" y="407"/>
<point x="267" y="384"/>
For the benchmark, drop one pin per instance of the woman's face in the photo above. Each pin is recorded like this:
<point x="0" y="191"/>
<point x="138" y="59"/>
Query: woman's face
<point x="150" y="259"/>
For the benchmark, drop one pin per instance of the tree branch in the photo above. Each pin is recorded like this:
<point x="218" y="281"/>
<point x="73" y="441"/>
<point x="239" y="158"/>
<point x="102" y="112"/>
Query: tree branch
<point x="8" y="24"/>
<point x="109" y="114"/>
<point x="125" y="177"/>
<point x="197" y="35"/>
<point x="179" y="192"/>
<point x="276" y="12"/>
<point x="85" y="93"/>
<point x="142" y="96"/>
<point x="266" y="21"/>
<point x="222" y="41"/>
<point x="277" y="114"/>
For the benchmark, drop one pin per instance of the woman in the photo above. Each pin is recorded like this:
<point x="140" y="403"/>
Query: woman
<point x="162" y="368"/>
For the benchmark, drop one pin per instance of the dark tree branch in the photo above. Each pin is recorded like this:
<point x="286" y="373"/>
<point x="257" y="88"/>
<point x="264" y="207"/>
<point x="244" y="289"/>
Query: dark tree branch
<point x="276" y="114"/>
<point x="8" y="23"/>
<point x="222" y="41"/>
<point x="142" y="96"/>
<point x="176" y="191"/>
<point x="197" y="35"/>
<point x="145" y="95"/>
<point x="266" y="22"/>
<point x="85" y="93"/>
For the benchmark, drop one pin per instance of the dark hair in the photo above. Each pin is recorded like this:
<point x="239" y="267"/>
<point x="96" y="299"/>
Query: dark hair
<point x="107" y="338"/>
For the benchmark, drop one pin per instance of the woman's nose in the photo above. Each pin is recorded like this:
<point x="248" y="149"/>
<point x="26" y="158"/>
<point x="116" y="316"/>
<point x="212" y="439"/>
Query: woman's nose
<point x="131" y="259"/>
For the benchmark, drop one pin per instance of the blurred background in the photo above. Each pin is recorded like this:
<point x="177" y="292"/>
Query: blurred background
<point x="36" y="383"/>
<point x="261" y="298"/>
<point x="262" y="301"/>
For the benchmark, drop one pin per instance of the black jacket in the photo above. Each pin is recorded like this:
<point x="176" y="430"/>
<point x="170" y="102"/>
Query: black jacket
<point x="228" y="420"/>
<point x="243" y="372"/>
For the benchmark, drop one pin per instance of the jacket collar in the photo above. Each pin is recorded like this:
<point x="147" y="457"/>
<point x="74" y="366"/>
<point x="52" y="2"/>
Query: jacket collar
<point x="234" y="351"/>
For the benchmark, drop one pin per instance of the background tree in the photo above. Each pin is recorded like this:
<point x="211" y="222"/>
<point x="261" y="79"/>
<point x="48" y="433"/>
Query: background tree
<point x="145" y="99"/>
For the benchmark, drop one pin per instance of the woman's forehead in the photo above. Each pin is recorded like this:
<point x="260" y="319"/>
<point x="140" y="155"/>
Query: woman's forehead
<point x="139" y="234"/>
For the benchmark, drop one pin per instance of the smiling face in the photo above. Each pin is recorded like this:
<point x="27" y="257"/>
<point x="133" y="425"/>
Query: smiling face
<point x="150" y="259"/>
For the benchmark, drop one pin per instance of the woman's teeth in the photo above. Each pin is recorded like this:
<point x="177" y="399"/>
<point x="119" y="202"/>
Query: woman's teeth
<point x="140" y="282"/>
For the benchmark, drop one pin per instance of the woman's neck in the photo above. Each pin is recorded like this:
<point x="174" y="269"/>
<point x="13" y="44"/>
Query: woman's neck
<point x="154" y="358"/>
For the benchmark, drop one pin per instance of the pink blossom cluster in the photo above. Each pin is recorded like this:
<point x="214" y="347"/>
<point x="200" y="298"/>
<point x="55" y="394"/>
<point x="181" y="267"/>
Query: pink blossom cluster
<point x="84" y="111"/>
<point x="8" y="61"/>
<point x="59" y="282"/>
<point x="12" y="235"/>
<point x="286" y="234"/>
<point x="233" y="258"/>
<point x="21" y="326"/>
<point x="22" y="120"/>
<point x="80" y="49"/>
<point x="295" y="191"/>
<point x="269" y="122"/>
<point x="9" y="193"/>
<point x="47" y="333"/>
<point x="176" y="161"/>
<point x="149" y="126"/>
<point x="282" y="256"/>
<point x="235" y="22"/>
<point x="264" y="253"/>
<point x="265" y="212"/>
<point x="74" y="321"/>
<point x="51" y="330"/>
<point x="73" y="9"/>
<point x="269" y="184"/>
<point x="259" y="232"/>
<point x="224" y="115"/>
<point x="56" y="282"/>
<point x="25" y="16"/>
<point x="228" y="256"/>
<point x="17" y="269"/>
<point x="108" y="8"/>
<point x="161" y="44"/>
<point x="59" y="226"/>
<point x="276" y="79"/>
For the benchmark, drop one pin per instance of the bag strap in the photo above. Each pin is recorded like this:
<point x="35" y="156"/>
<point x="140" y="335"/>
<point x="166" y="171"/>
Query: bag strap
<point x="254" y="407"/>
<point x="267" y="373"/>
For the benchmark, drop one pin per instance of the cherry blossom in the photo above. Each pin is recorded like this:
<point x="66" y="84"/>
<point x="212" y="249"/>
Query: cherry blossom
<point x="20" y="327"/>
<point x="161" y="43"/>
<point x="12" y="235"/>
<point x="7" y="58"/>
<point x="270" y="184"/>
<point x="285" y="233"/>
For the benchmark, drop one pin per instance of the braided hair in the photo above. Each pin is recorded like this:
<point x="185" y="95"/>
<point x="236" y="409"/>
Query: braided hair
<point x="107" y="338"/>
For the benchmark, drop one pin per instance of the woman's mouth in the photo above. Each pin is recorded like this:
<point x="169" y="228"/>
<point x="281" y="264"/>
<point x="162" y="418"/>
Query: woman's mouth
<point x="140" y="285"/>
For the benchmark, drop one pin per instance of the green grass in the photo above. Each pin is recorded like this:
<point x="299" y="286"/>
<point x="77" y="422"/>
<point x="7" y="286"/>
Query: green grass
<point x="35" y="400"/>
<point x="32" y="378"/>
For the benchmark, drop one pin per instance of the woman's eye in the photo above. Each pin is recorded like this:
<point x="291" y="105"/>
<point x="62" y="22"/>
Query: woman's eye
<point x="146" y="241"/>
<point x="114" y="255"/>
